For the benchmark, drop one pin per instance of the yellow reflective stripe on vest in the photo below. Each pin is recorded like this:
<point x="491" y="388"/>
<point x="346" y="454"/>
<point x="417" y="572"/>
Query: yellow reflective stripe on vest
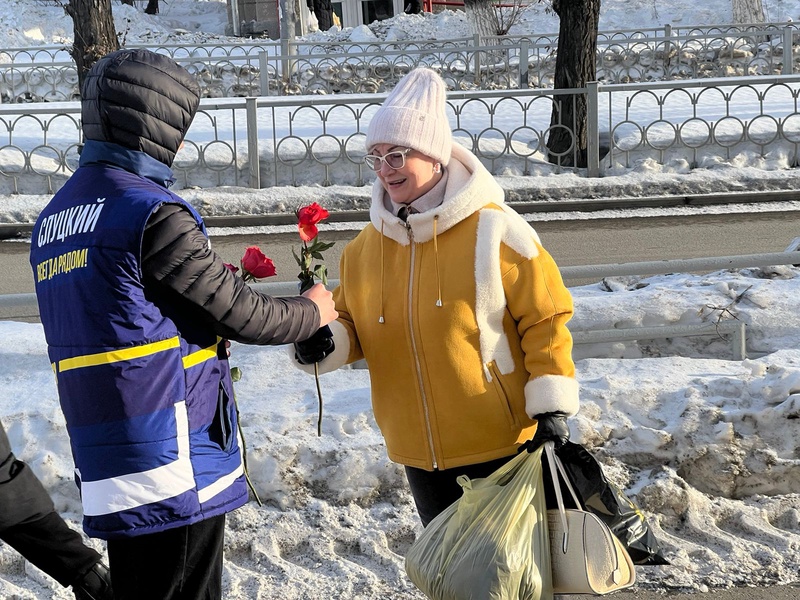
<point x="105" y="358"/>
<point x="195" y="358"/>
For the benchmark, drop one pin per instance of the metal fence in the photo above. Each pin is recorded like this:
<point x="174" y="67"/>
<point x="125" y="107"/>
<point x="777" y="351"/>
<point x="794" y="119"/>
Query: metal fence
<point x="264" y="142"/>
<point x="473" y="63"/>
<point x="24" y="307"/>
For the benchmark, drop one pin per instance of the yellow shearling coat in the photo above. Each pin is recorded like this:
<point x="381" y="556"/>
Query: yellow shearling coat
<point x="461" y="316"/>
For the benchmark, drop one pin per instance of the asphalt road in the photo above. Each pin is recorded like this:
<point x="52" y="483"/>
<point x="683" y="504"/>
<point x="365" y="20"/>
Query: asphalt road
<point x="578" y="242"/>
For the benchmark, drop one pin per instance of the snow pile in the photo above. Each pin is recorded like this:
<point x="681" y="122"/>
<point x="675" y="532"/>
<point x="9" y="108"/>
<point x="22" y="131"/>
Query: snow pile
<point x="706" y="446"/>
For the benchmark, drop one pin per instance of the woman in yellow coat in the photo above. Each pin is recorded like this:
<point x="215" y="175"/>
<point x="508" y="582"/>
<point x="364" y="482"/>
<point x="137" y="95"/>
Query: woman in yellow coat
<point x="457" y="308"/>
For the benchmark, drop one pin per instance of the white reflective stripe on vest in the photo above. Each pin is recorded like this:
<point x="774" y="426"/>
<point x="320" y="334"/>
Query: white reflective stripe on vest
<point x="115" y="494"/>
<point x="220" y="485"/>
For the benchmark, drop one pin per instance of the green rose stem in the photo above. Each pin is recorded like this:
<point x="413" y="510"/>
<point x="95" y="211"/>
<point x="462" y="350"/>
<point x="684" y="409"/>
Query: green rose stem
<point x="236" y="375"/>
<point x="307" y="222"/>
<point x="319" y="395"/>
<point x="306" y="282"/>
<point x="255" y="265"/>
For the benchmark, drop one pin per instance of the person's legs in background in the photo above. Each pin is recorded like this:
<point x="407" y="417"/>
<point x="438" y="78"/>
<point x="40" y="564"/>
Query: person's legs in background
<point x="51" y="545"/>
<point x="30" y="525"/>
<point x="184" y="563"/>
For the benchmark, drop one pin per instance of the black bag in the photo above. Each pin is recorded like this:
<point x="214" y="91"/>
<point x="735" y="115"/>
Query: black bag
<point x="609" y="503"/>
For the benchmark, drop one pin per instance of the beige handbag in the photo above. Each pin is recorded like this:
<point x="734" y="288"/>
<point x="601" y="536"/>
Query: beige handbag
<point x="586" y="557"/>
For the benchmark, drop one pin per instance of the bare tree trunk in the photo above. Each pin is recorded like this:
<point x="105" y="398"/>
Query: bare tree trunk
<point x="481" y="16"/>
<point x="748" y="11"/>
<point x="152" y="7"/>
<point x="575" y="66"/>
<point x="95" y="35"/>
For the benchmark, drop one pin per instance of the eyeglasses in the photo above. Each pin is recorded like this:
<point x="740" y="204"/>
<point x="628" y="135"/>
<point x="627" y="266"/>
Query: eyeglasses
<point x="395" y="159"/>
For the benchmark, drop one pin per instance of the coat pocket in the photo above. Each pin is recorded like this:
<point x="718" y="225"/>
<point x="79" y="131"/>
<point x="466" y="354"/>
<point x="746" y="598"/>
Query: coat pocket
<point x="500" y="386"/>
<point x="221" y="430"/>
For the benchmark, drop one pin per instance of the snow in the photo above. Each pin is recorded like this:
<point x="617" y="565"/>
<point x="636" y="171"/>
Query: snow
<point x="706" y="446"/>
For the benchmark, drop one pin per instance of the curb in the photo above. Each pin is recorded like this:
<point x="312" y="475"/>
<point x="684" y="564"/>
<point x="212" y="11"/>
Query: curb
<point x="522" y="202"/>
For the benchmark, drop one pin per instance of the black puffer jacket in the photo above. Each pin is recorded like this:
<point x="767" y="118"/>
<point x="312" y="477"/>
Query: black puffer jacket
<point x="145" y="101"/>
<point x="323" y="10"/>
<point x="185" y="273"/>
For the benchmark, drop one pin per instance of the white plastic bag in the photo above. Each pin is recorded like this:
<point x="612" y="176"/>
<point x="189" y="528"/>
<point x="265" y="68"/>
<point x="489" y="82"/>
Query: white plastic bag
<point x="313" y="23"/>
<point x="492" y="544"/>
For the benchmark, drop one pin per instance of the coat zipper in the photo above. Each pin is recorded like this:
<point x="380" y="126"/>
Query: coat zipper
<point x="414" y="344"/>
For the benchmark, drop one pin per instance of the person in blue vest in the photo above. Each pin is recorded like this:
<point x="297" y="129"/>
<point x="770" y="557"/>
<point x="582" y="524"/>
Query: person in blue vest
<point x="137" y="311"/>
<point x="30" y="524"/>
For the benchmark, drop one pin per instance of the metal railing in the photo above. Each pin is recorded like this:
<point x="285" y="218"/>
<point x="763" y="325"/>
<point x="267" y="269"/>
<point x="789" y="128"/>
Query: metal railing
<point x="736" y="329"/>
<point x="262" y="142"/>
<point x="269" y="68"/>
<point x="319" y="140"/>
<point x="24" y="306"/>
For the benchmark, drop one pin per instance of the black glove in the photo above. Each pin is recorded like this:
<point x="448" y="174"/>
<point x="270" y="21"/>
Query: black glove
<point x="551" y="427"/>
<point x="315" y="348"/>
<point x="95" y="584"/>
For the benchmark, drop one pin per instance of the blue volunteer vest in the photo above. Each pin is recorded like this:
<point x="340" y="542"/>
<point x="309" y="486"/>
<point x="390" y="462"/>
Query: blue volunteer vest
<point x="146" y="391"/>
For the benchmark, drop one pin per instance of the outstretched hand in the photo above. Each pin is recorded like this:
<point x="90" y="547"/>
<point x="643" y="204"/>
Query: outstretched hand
<point x="323" y="298"/>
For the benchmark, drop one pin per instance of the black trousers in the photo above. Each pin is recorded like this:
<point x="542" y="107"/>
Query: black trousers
<point x="434" y="491"/>
<point x="50" y="544"/>
<point x="178" y="564"/>
<point x="30" y="524"/>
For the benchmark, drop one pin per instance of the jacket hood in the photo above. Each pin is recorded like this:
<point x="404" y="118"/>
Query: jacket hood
<point x="140" y="100"/>
<point x="469" y="188"/>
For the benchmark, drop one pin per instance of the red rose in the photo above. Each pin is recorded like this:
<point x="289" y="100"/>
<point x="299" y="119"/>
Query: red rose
<point x="256" y="265"/>
<point x="307" y="219"/>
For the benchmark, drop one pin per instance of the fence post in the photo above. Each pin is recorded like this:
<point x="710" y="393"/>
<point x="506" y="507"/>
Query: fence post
<point x="263" y="75"/>
<point x="476" y="57"/>
<point x="667" y="45"/>
<point x="592" y="129"/>
<point x="739" y="342"/>
<point x="524" y="51"/>
<point x="287" y="64"/>
<point x="788" y="52"/>
<point x="253" y="158"/>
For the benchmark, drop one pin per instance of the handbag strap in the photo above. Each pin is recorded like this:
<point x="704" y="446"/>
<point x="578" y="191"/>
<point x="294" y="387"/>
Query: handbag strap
<point x="551" y="461"/>
<point x="556" y="468"/>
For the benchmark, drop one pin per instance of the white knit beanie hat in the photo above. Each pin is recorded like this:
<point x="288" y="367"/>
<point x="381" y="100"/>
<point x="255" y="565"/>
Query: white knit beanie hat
<point x="413" y="115"/>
